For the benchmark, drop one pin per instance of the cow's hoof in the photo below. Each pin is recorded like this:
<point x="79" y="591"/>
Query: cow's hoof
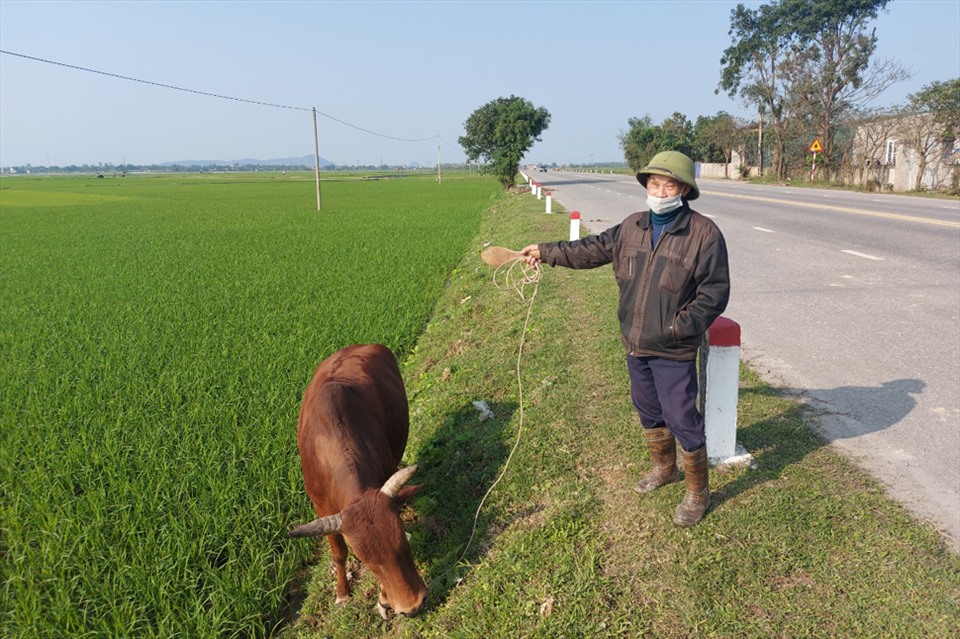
<point x="386" y="613"/>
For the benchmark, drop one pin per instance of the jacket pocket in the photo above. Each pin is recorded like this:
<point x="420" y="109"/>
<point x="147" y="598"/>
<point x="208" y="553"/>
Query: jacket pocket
<point x="679" y="334"/>
<point x="625" y="266"/>
<point x="674" y="277"/>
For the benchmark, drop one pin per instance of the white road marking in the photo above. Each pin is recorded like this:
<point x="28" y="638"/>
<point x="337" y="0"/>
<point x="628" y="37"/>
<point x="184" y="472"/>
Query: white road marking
<point x="869" y="257"/>
<point x="760" y="228"/>
<point x="828" y="207"/>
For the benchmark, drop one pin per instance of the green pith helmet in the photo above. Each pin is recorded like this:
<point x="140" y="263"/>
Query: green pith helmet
<point x="672" y="164"/>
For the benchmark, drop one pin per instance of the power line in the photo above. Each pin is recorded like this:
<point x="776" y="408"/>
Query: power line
<point x="447" y="143"/>
<point x="217" y="95"/>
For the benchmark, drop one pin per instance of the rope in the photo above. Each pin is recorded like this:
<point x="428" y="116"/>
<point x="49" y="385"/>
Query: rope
<point x="517" y="279"/>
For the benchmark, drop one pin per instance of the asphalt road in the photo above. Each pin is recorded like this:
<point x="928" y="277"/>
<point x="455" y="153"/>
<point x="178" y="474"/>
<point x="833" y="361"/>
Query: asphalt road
<point x="849" y="300"/>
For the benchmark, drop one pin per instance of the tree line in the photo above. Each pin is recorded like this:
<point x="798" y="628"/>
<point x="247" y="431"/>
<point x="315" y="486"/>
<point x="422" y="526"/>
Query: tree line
<point x="807" y="68"/>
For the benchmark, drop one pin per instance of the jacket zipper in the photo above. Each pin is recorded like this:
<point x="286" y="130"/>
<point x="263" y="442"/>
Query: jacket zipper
<point x="644" y="290"/>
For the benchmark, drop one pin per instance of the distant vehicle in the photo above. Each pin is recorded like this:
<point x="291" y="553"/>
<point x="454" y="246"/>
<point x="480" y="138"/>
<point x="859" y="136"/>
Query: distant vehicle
<point x="543" y="169"/>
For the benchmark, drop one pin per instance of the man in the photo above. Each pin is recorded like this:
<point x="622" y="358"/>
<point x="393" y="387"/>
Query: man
<point x="670" y="263"/>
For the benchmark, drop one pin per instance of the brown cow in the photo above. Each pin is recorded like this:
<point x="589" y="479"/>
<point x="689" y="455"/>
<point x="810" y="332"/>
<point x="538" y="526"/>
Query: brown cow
<point x="352" y="432"/>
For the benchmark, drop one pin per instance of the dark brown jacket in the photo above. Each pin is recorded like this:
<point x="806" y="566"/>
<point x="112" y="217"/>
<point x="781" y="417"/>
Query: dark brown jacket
<point x="669" y="296"/>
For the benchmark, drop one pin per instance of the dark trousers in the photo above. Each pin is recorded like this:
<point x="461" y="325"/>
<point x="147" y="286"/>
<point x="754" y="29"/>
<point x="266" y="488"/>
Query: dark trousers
<point x="664" y="393"/>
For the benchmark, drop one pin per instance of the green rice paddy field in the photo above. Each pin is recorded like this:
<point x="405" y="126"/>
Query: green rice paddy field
<point x="156" y="335"/>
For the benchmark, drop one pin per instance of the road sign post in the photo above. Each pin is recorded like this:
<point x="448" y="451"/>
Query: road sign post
<point x="815" y="148"/>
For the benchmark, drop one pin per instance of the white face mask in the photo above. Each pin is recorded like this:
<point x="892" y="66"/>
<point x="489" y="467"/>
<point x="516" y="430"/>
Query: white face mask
<point x="663" y="205"/>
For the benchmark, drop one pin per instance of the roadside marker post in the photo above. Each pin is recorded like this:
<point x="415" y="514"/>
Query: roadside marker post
<point x="574" y="225"/>
<point x="719" y="372"/>
<point x="549" y="202"/>
<point x="539" y="192"/>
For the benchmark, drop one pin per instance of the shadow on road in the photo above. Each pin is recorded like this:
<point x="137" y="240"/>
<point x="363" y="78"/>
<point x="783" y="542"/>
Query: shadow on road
<point x="785" y="438"/>
<point x="851" y="411"/>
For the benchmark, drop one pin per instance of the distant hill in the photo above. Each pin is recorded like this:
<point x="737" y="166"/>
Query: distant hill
<point x="304" y="160"/>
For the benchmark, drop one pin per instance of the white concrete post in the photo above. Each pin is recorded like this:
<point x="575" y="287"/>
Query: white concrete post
<point x="539" y="192"/>
<point x="574" y="225"/>
<point x="719" y="392"/>
<point x="549" y="202"/>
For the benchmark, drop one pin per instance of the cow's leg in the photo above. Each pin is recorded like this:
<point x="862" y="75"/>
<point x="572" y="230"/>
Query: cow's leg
<point x="338" y="551"/>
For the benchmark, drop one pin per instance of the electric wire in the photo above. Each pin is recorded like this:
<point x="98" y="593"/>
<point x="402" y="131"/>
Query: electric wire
<point x="218" y="95"/>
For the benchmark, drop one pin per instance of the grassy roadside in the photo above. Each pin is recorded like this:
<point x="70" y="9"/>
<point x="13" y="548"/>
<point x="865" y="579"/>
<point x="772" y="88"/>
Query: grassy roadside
<point x="804" y="546"/>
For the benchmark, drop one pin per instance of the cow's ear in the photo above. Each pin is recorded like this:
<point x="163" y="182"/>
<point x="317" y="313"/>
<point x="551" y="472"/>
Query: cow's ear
<point x="407" y="492"/>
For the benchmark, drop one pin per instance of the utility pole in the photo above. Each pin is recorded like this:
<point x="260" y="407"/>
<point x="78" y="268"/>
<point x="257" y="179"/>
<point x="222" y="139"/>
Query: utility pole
<point x="316" y="159"/>
<point x="760" y="145"/>
<point x="439" y="172"/>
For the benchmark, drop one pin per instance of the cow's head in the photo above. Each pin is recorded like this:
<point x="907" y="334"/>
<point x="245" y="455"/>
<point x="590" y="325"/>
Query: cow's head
<point x="372" y="527"/>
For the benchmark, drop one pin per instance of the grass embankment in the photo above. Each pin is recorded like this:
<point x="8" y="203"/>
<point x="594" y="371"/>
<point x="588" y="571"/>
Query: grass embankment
<point x="806" y="545"/>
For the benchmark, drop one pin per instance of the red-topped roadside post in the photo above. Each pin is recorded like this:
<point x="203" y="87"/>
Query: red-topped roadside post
<point x="719" y="392"/>
<point x="574" y="225"/>
<point x="549" y="202"/>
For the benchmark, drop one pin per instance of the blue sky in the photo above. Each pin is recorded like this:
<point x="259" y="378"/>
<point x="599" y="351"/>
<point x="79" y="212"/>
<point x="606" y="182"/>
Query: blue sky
<point x="402" y="69"/>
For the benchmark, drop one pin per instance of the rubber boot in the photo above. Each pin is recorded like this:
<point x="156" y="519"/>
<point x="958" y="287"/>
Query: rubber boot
<point x="663" y="453"/>
<point x="697" y="499"/>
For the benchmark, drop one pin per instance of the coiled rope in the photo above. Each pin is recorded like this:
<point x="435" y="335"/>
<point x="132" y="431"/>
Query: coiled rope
<point x="514" y="274"/>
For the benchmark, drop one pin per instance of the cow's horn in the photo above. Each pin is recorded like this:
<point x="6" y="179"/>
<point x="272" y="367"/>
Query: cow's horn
<point x="397" y="480"/>
<point x="318" y="527"/>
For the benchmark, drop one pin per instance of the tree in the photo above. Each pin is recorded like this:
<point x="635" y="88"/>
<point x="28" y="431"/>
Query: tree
<point x="873" y="130"/>
<point x="929" y="123"/>
<point x="749" y="68"/>
<point x="829" y="70"/>
<point x="808" y="64"/>
<point x="676" y="134"/>
<point x="639" y="142"/>
<point x="501" y="132"/>
<point x="644" y="139"/>
<point x="942" y="101"/>
<point x="716" y="137"/>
